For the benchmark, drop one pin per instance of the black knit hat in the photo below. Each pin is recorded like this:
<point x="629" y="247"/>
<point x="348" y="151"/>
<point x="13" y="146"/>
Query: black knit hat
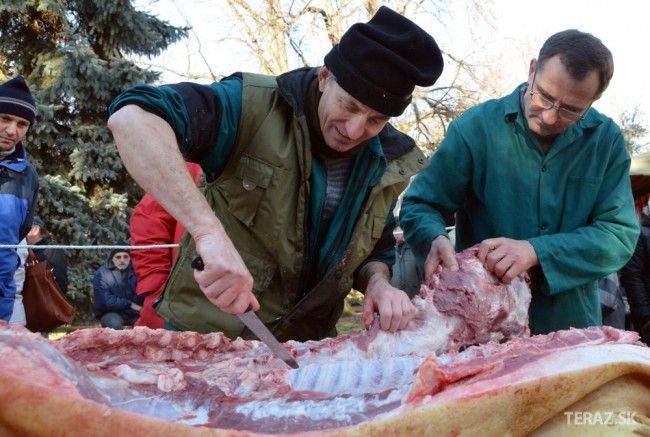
<point x="15" y="99"/>
<point x="37" y="221"/>
<point x="380" y="62"/>
<point x="119" y="243"/>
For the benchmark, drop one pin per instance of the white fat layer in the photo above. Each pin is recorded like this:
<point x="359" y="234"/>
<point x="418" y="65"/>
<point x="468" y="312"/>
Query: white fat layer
<point x="355" y="377"/>
<point x="339" y="409"/>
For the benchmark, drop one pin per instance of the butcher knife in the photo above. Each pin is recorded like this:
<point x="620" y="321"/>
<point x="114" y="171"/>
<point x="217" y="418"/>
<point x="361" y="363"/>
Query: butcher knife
<point x="252" y="322"/>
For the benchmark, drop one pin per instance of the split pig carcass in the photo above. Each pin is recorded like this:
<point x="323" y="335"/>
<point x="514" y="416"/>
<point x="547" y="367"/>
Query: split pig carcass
<point x="428" y="379"/>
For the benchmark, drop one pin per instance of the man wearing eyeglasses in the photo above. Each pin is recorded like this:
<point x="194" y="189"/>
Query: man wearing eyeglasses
<point x="540" y="180"/>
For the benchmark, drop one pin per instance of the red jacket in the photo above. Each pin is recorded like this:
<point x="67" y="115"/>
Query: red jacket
<point x="151" y="224"/>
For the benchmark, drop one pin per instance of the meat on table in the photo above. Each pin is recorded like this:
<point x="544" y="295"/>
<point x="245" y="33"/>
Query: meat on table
<point x="429" y="378"/>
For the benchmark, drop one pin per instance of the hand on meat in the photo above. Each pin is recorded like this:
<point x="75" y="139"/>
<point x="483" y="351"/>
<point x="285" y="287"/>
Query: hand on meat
<point x="441" y="252"/>
<point x="507" y="258"/>
<point x="393" y="305"/>
<point x="225" y="280"/>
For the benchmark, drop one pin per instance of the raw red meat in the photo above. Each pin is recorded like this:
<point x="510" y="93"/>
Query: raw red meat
<point x="368" y="382"/>
<point x="482" y="307"/>
<point x="193" y="379"/>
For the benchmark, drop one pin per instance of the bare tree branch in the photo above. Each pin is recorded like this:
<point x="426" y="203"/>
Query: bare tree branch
<point x="197" y="39"/>
<point x="281" y="34"/>
<point x="185" y="74"/>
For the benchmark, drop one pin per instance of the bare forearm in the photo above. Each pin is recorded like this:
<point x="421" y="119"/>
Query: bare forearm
<point x="148" y="148"/>
<point x="371" y="273"/>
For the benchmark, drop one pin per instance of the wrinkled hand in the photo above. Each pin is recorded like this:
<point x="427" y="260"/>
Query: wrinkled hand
<point x="441" y="252"/>
<point x="393" y="305"/>
<point x="224" y="280"/>
<point x="507" y="258"/>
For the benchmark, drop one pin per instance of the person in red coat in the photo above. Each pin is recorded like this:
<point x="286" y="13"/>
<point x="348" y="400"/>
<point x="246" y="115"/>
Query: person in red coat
<point x="152" y="224"/>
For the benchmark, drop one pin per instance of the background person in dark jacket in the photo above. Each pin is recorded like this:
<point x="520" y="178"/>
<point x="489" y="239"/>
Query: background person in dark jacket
<point x="56" y="258"/>
<point x="612" y="303"/>
<point x="635" y="279"/>
<point x="115" y="301"/>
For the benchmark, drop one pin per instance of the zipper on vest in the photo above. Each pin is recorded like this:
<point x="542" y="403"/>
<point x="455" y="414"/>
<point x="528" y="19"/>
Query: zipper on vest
<point x="304" y="286"/>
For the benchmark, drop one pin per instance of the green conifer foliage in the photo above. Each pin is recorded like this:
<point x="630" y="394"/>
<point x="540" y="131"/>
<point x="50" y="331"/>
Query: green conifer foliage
<point x="73" y="56"/>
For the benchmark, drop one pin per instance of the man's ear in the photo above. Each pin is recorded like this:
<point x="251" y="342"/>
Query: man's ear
<point x="323" y="76"/>
<point x="531" y="69"/>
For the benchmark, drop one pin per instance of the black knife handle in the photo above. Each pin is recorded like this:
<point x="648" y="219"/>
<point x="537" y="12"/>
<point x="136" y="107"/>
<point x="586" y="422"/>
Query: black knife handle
<point x="197" y="263"/>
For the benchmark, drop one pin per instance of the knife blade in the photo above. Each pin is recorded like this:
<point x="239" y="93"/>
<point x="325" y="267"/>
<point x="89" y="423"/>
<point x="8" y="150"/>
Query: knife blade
<point x="252" y="322"/>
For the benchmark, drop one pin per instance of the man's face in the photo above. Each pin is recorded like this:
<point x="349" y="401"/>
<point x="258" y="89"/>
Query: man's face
<point x="344" y="121"/>
<point x="552" y="84"/>
<point x="12" y="130"/>
<point x="121" y="260"/>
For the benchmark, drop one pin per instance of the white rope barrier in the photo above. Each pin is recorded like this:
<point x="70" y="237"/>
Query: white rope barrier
<point x="88" y="247"/>
<point x="110" y="247"/>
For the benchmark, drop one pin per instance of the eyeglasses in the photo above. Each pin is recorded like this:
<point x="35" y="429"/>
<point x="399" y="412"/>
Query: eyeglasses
<point x="540" y="99"/>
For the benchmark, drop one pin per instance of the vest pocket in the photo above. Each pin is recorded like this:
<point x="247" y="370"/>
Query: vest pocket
<point x="580" y="198"/>
<point x="252" y="178"/>
<point x="261" y="270"/>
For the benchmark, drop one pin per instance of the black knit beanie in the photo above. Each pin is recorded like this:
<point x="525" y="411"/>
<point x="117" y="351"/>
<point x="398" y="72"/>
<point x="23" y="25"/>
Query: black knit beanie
<point x="15" y="99"/>
<point x="119" y="243"/>
<point x="38" y="221"/>
<point x="380" y="62"/>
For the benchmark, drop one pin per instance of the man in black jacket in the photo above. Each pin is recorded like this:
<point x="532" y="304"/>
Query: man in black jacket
<point x="115" y="302"/>
<point x="635" y="278"/>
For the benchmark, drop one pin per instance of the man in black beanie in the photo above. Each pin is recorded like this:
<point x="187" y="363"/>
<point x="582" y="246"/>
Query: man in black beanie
<point x="18" y="185"/>
<point x="305" y="171"/>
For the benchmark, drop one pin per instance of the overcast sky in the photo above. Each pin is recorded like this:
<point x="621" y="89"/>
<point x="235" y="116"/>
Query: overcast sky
<point x="519" y="29"/>
<point x="623" y="26"/>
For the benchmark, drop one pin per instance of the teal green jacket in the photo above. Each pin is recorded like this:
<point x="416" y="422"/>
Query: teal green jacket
<point x="574" y="205"/>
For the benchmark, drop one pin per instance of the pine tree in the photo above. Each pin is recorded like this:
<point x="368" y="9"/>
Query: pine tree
<point x="73" y="54"/>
